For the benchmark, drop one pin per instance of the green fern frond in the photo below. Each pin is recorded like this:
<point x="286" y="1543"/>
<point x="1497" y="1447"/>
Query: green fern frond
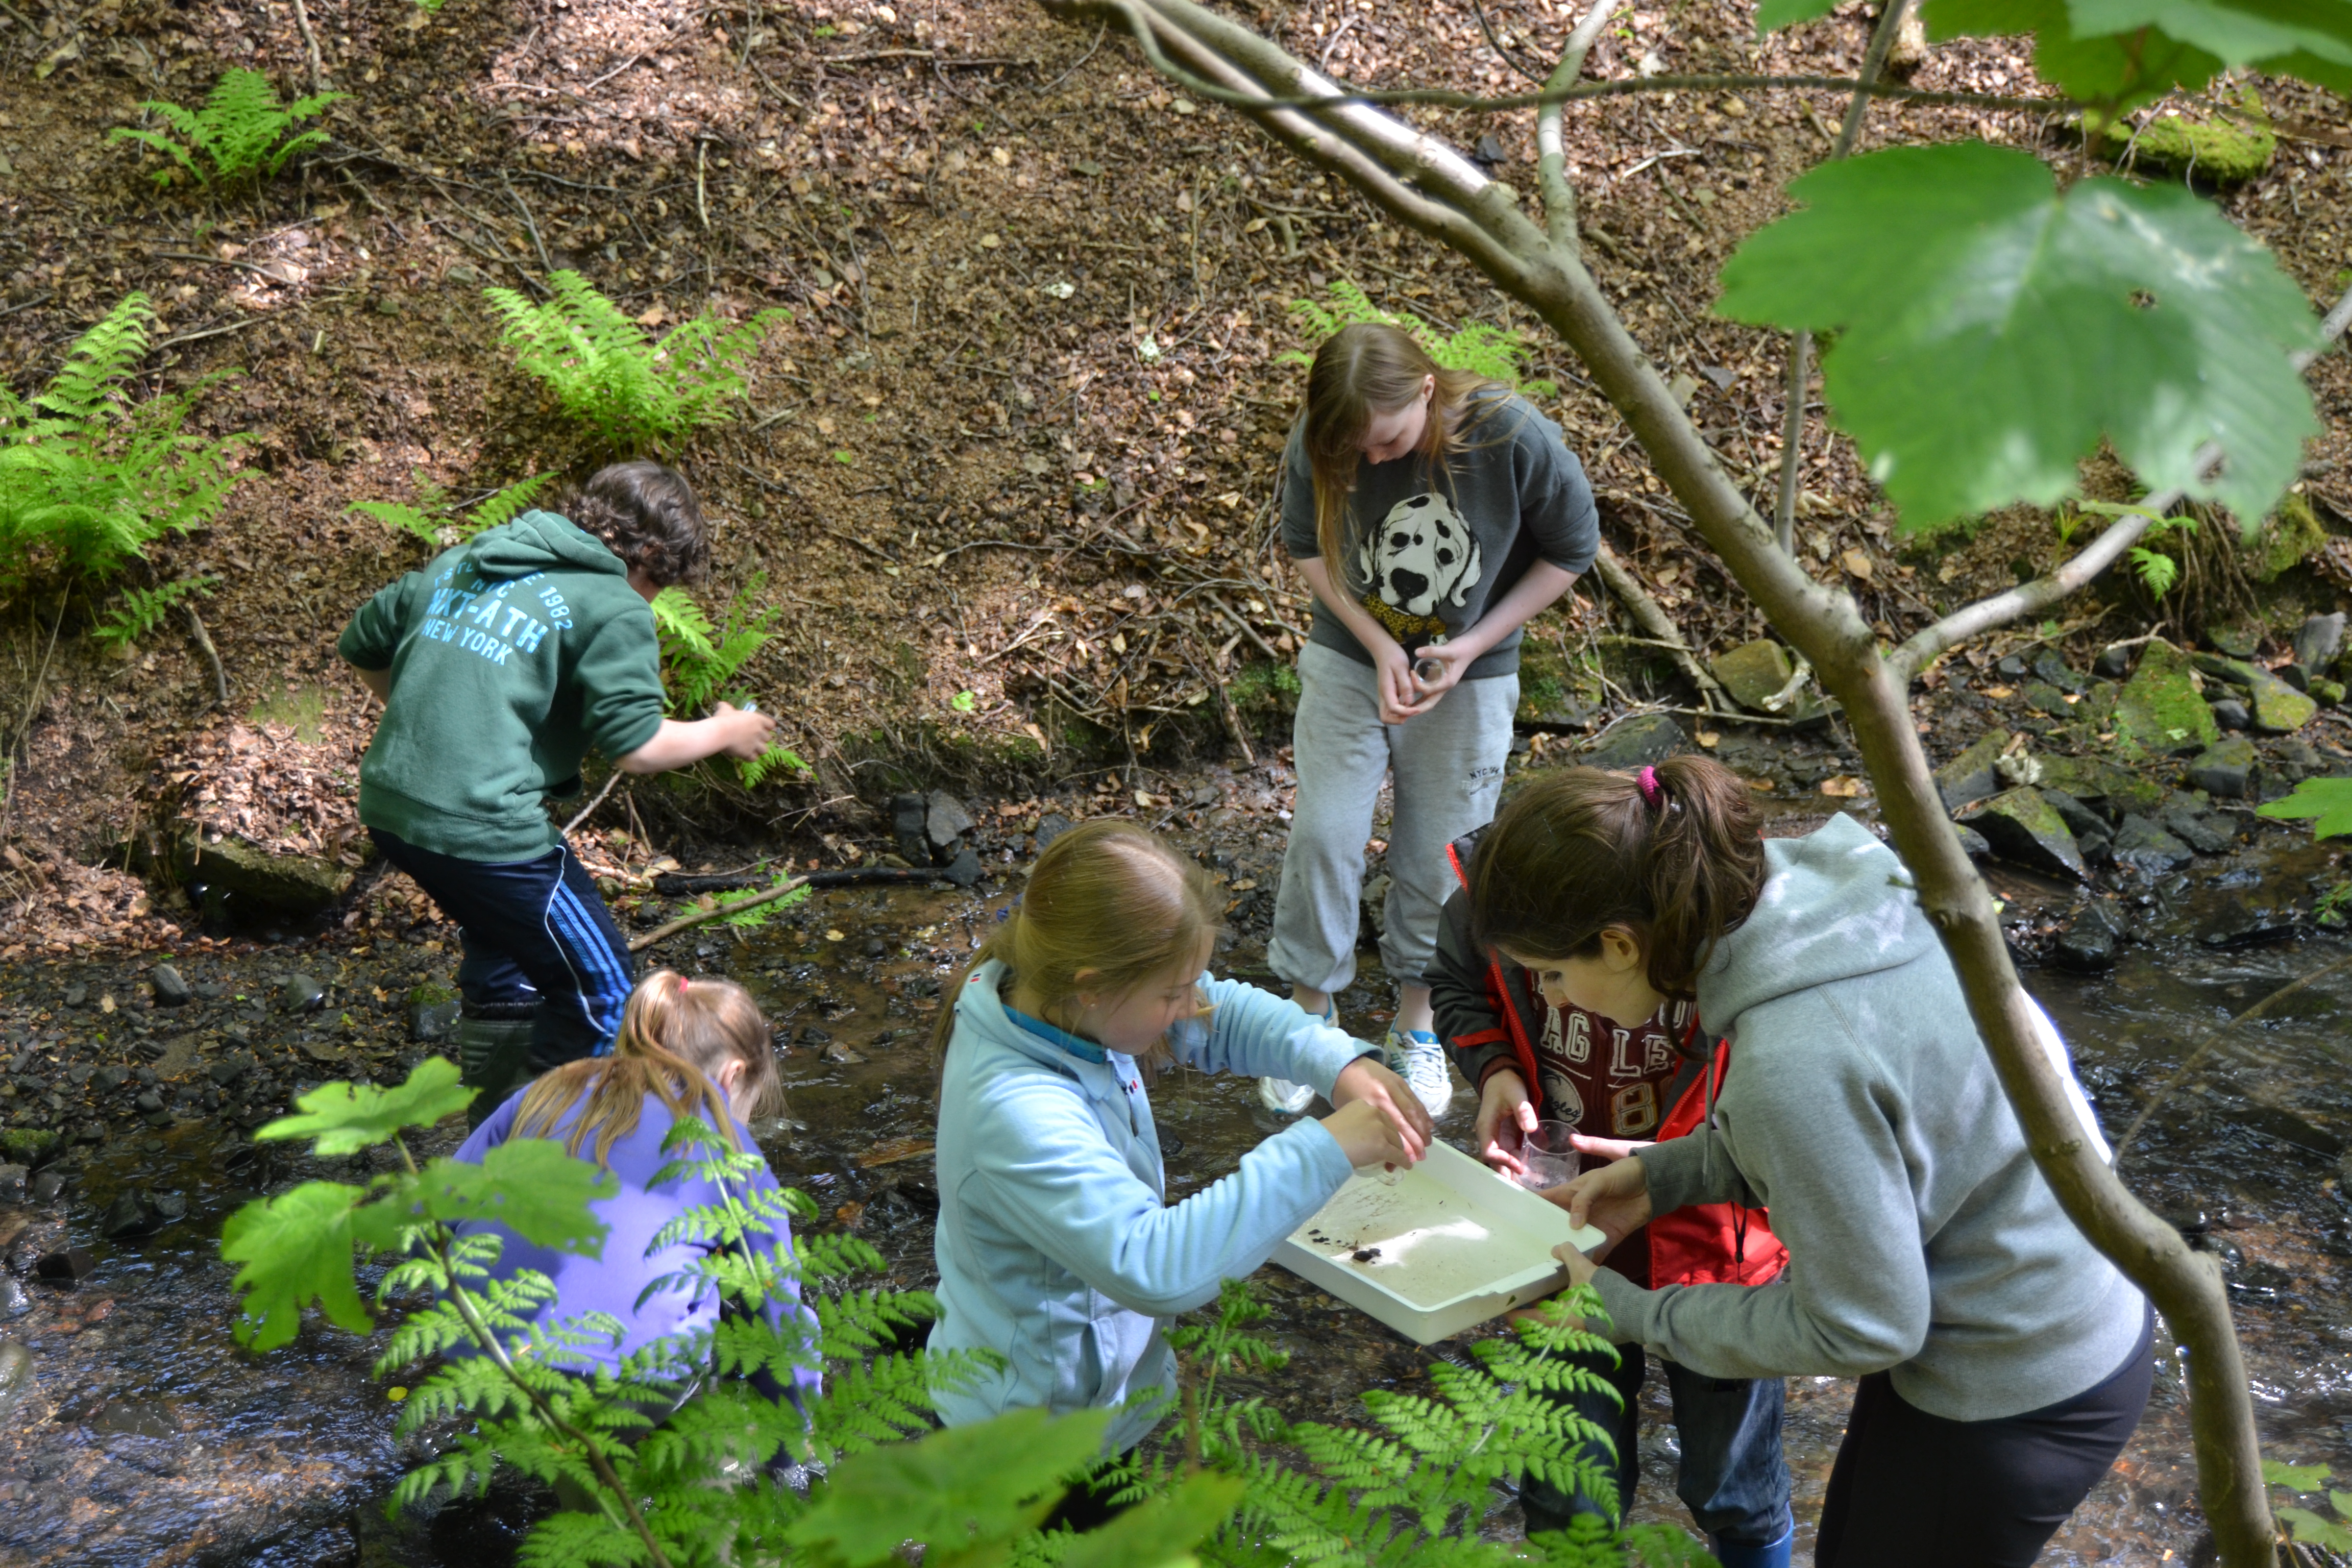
<point x="1498" y="354"/>
<point x="241" y="131"/>
<point x="609" y="373"/>
<point x="431" y="519"/>
<point x="90" y="477"/>
<point x="144" y="609"/>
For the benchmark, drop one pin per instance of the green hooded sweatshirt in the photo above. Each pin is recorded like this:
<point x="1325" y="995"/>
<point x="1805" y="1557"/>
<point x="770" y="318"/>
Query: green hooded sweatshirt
<point x="511" y="656"/>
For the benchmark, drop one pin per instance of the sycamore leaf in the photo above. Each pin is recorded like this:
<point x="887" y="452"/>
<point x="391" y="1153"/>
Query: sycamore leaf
<point x="954" y="1491"/>
<point x="2114" y="70"/>
<point x="1774" y="15"/>
<point x="294" y="1246"/>
<point x="528" y="1184"/>
<point x="2309" y="38"/>
<point x="2329" y="801"/>
<point x="2311" y="1529"/>
<point x="2294" y="1478"/>
<point x="1160" y="1533"/>
<point x="346" y="1118"/>
<point x="1991" y="330"/>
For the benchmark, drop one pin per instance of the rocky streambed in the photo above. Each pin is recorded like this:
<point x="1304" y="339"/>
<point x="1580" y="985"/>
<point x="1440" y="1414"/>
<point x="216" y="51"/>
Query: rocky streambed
<point x="2146" y="900"/>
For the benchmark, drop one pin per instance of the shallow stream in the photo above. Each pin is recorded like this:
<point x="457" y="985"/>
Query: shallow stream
<point x="136" y="1434"/>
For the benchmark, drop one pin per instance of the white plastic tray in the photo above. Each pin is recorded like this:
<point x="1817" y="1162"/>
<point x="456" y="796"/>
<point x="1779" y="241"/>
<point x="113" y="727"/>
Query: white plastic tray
<point x="1447" y="1246"/>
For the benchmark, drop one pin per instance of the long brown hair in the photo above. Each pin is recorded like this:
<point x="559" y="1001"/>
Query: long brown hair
<point x="1672" y="853"/>
<point x="676" y="1036"/>
<point x="1365" y="369"/>
<point x="1107" y="900"/>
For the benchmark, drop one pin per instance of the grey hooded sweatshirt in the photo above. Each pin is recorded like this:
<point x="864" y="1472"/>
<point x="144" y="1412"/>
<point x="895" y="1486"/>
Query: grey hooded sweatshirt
<point x="1862" y="1108"/>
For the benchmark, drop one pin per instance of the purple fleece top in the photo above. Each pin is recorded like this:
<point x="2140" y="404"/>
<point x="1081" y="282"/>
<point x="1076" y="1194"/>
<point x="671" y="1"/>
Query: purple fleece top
<point x="613" y="1283"/>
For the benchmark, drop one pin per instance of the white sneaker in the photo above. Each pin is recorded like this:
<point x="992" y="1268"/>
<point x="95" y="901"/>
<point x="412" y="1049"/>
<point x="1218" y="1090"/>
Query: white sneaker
<point x="1285" y="1098"/>
<point x="1418" y="1058"/>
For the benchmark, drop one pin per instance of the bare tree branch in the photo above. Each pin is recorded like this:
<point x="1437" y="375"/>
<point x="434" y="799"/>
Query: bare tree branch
<point x="1451" y="201"/>
<point x="1652" y="618"/>
<point x="1551" y="151"/>
<point x="1800" y="347"/>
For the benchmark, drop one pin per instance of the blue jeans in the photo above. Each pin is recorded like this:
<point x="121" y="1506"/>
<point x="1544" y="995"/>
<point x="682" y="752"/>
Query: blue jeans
<point x="539" y="944"/>
<point x="1732" y="1479"/>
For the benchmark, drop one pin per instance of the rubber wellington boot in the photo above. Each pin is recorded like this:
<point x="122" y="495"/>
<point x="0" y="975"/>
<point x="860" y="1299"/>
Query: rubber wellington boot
<point x="1747" y="1554"/>
<point x="493" y="1056"/>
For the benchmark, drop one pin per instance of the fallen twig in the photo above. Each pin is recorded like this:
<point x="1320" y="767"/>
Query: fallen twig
<point x="590" y="809"/>
<point x="699" y="917"/>
<point x="212" y="655"/>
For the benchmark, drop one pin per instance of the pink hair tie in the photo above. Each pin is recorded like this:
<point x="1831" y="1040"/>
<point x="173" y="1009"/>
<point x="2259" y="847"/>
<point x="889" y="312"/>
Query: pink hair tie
<point x="1652" y="793"/>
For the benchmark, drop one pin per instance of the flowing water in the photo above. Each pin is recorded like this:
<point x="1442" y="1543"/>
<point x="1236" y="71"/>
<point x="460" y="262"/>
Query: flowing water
<point x="135" y="1433"/>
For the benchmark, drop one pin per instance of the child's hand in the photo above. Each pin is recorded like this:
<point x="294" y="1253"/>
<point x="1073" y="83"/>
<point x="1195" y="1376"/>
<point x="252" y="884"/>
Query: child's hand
<point x="1505" y="1117"/>
<point x="748" y="732"/>
<point x="1615" y="1197"/>
<point x="1367" y="1136"/>
<point x="1609" y="1148"/>
<point x="1366" y="1081"/>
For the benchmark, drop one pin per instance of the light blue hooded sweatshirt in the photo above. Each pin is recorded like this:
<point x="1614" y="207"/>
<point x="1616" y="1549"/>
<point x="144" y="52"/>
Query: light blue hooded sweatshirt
<point x="1862" y="1108"/>
<point x="1058" y="1249"/>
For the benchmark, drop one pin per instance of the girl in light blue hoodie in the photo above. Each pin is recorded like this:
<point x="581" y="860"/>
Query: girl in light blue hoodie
<point x="1058" y="1249"/>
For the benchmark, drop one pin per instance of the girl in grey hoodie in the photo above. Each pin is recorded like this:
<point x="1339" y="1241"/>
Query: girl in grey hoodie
<point x="2003" y="1361"/>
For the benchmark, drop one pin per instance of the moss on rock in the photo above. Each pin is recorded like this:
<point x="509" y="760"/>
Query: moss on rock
<point x="2160" y="710"/>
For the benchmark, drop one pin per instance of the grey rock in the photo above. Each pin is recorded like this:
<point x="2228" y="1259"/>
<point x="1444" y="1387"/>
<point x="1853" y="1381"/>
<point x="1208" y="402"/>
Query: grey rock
<point x="1206" y="794"/>
<point x="2044" y="697"/>
<point x="47" y="1185"/>
<point x="2238" y="924"/>
<point x="1635" y="742"/>
<point x="65" y="1263"/>
<point x="2011" y="667"/>
<point x="296" y="884"/>
<point x="2114" y="662"/>
<point x="1754" y="673"/>
<point x="300" y="993"/>
<point x="16" y="1378"/>
<point x="1971" y="776"/>
<point x="2295" y="675"/>
<point x="229" y="1069"/>
<point x="2049" y="666"/>
<point x="2226" y="768"/>
<point x="169" y="1206"/>
<point x="148" y="1101"/>
<point x="1972" y="842"/>
<point x="2197" y="831"/>
<point x="12" y="1178"/>
<point x="2081" y="821"/>
<point x="2318" y="640"/>
<point x="2299" y="759"/>
<point x="77" y="994"/>
<point x="945" y="822"/>
<point x="1050" y="827"/>
<point x="431" y="1021"/>
<point x="964" y="869"/>
<point x="2026" y="830"/>
<point x="2231" y="714"/>
<point x="2237" y="642"/>
<point x="909" y="813"/>
<point x="13" y="1303"/>
<point x="170" y="990"/>
<point x="2087" y="944"/>
<point x="2148" y="848"/>
<point x="127" y="1217"/>
<point x="2274" y="706"/>
<point x="840" y="1056"/>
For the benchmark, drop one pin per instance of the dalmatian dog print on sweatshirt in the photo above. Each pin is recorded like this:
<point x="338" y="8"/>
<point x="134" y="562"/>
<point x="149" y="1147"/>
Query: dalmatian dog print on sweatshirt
<point x="1423" y="555"/>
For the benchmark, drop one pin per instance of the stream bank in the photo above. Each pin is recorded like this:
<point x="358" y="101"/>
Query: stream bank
<point x="130" y="1431"/>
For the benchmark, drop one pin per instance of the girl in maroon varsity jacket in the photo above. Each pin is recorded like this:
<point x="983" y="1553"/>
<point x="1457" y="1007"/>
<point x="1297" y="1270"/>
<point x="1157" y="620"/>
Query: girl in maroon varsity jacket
<point x="1621" y="1086"/>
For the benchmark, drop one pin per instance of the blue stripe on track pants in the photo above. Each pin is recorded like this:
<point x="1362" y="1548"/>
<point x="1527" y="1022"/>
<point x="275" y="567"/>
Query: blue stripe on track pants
<point x="537" y="936"/>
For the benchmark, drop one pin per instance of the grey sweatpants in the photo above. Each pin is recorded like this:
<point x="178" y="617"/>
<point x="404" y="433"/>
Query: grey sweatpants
<point x="1448" y="764"/>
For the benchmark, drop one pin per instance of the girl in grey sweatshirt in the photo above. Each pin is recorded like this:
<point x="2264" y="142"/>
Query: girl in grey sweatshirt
<point x="2004" y="1362"/>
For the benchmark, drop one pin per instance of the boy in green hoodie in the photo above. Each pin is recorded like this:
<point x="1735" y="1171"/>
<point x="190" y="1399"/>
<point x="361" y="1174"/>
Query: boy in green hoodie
<point x="500" y="665"/>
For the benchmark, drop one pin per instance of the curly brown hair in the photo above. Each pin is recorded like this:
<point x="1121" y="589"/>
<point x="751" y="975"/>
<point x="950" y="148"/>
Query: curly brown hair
<point x="646" y="515"/>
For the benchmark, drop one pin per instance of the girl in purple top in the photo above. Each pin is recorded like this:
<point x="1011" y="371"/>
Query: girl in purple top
<point x="688" y="1049"/>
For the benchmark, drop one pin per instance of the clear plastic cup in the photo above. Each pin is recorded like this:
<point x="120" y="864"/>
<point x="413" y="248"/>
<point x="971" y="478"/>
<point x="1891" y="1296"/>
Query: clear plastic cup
<point x="1550" y="1155"/>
